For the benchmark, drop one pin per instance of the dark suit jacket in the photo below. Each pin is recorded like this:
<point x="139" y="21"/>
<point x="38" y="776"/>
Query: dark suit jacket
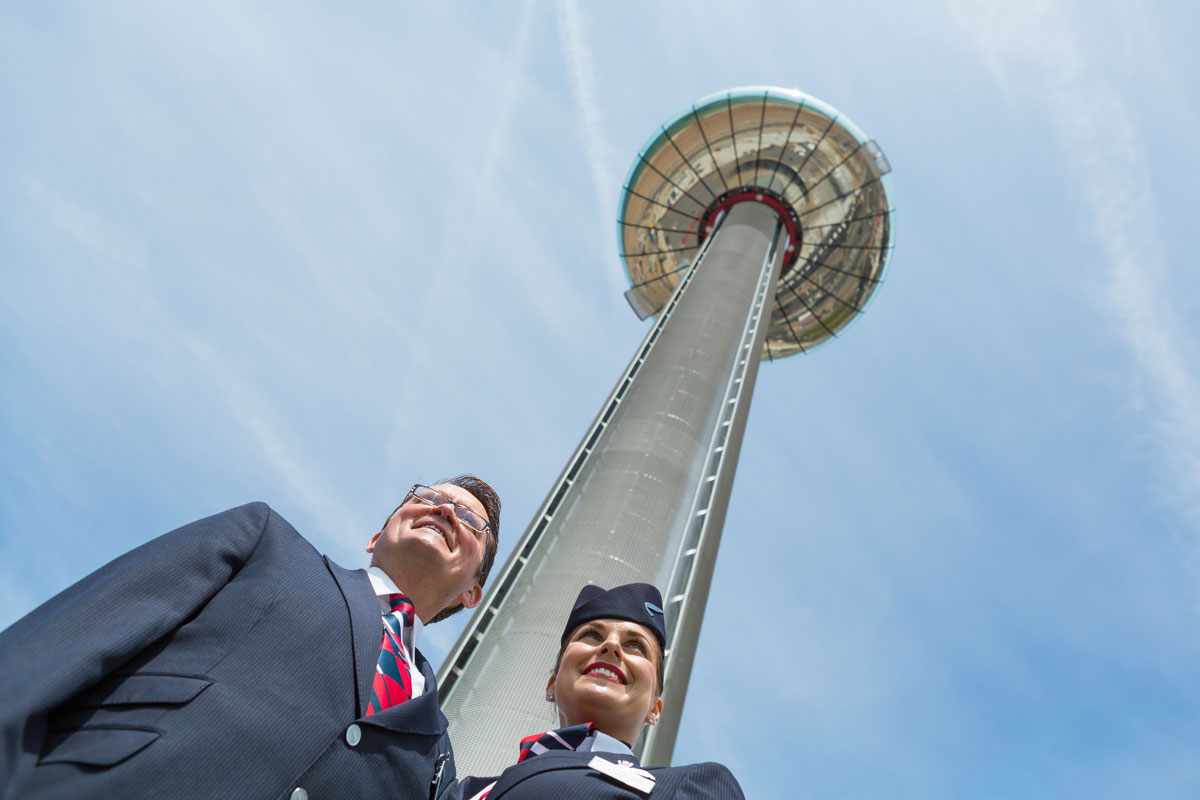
<point x="226" y="659"/>
<point x="566" y="776"/>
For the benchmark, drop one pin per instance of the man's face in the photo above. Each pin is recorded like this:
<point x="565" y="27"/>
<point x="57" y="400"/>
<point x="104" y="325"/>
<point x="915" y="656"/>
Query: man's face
<point x="429" y="544"/>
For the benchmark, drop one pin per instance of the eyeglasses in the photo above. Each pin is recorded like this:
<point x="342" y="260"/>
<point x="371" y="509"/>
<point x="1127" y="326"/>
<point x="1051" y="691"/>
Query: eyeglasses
<point x="432" y="497"/>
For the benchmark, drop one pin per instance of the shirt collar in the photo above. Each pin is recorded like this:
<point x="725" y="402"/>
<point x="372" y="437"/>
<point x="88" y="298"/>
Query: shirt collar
<point x="601" y="742"/>
<point x="383" y="585"/>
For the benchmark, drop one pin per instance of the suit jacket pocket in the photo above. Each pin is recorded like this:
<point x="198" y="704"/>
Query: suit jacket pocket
<point x="142" y="689"/>
<point x="97" y="747"/>
<point x="115" y="719"/>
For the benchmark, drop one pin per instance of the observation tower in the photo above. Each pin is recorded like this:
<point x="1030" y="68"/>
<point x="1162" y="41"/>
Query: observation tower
<point x="753" y="226"/>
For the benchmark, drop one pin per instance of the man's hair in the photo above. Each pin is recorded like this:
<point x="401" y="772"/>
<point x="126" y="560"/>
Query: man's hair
<point x="486" y="495"/>
<point x="660" y="668"/>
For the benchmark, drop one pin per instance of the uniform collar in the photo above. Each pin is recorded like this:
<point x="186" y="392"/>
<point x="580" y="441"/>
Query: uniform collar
<point x="601" y="742"/>
<point x="552" y="761"/>
<point x="383" y="585"/>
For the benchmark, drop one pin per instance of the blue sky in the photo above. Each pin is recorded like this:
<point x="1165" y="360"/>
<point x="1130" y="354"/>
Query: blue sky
<point x="294" y="254"/>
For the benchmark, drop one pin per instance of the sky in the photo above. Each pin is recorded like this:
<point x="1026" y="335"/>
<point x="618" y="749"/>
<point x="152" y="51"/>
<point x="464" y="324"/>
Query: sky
<point x="311" y="255"/>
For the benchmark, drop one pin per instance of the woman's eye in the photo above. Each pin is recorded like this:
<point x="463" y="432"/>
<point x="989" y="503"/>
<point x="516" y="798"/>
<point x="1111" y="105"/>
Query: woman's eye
<point x="637" y="647"/>
<point x="589" y="636"/>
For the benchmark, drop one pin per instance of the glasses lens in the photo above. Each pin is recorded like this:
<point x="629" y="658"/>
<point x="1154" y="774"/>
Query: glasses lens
<point x="469" y="518"/>
<point x="427" y="495"/>
<point x="435" y="498"/>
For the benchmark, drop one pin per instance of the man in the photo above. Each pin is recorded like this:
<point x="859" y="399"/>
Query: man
<point x="229" y="659"/>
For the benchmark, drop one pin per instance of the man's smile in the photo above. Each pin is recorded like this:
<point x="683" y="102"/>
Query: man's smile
<point x="440" y="526"/>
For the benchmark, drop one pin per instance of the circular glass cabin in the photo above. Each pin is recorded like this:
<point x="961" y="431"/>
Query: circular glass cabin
<point x="786" y="149"/>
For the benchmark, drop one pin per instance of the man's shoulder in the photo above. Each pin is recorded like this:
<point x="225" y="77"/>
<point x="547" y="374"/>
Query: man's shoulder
<point x="256" y="511"/>
<point x="256" y="514"/>
<point x="253" y="523"/>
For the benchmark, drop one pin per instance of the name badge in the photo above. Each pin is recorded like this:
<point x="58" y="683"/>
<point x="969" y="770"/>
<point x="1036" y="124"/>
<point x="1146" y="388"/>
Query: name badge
<point x="639" y="780"/>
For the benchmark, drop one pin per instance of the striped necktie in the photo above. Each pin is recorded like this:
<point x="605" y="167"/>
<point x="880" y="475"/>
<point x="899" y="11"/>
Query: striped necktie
<point x="562" y="739"/>
<point x="393" y="681"/>
<point x="535" y="744"/>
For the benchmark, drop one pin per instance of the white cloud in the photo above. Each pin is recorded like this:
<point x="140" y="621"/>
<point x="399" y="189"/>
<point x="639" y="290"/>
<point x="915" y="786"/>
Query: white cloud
<point x="280" y="449"/>
<point x="510" y="93"/>
<point x="1041" y="47"/>
<point x="117" y="254"/>
<point x="582" y="79"/>
<point x="88" y="230"/>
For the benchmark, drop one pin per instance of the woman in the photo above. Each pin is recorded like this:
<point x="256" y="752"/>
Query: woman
<point x="607" y="684"/>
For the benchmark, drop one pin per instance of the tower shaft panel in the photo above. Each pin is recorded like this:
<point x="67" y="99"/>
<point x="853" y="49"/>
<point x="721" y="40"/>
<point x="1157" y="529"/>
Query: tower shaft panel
<point x="642" y="499"/>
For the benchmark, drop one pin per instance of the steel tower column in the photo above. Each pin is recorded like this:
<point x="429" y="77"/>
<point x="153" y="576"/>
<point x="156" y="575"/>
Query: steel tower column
<point x="754" y="225"/>
<point x="642" y="499"/>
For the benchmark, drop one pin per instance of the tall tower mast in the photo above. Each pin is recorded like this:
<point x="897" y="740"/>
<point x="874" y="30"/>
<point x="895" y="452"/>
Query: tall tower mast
<point x="754" y="226"/>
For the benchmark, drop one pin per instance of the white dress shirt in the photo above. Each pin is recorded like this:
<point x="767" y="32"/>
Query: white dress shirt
<point x="383" y="586"/>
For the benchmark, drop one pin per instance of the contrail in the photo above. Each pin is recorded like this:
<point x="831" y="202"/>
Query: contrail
<point x="596" y="147"/>
<point x="581" y="74"/>
<point x="498" y="142"/>
<point x="1099" y="133"/>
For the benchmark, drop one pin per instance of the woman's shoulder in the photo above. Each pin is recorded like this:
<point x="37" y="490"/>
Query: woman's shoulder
<point x="704" y="781"/>
<point x="707" y="779"/>
<point x="470" y="787"/>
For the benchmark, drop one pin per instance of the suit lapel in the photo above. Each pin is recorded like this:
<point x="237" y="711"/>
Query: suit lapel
<point x="421" y="715"/>
<point x="366" y="628"/>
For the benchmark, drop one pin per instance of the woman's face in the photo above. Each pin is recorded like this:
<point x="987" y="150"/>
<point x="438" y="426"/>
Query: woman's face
<point x="608" y="674"/>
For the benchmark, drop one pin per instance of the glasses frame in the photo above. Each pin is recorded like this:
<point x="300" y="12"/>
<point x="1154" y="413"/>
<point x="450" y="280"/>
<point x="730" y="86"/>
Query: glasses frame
<point x="461" y="512"/>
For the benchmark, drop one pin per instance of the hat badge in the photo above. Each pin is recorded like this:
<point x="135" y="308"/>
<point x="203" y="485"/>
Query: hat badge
<point x="652" y="609"/>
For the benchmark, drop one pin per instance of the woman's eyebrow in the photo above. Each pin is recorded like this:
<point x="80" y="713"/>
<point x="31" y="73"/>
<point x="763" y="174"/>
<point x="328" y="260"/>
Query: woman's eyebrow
<point x="636" y="634"/>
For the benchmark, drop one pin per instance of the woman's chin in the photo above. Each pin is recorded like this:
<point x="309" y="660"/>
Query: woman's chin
<point x="594" y="702"/>
<point x="598" y="690"/>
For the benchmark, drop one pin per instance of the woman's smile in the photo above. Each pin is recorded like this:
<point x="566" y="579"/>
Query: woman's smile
<point x="606" y="672"/>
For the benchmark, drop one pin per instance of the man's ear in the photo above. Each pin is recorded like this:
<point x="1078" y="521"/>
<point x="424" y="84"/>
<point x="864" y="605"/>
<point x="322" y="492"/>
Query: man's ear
<point x="372" y="541"/>
<point x="471" y="597"/>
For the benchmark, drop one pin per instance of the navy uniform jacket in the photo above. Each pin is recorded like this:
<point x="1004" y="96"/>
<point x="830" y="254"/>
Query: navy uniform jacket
<point x="226" y="659"/>
<point x="564" y="775"/>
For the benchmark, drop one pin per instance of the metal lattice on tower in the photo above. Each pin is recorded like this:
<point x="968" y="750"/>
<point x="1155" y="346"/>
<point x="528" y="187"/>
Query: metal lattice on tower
<point x="755" y="226"/>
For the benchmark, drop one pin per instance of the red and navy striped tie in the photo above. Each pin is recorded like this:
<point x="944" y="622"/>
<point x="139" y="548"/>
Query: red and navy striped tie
<point x="562" y="739"/>
<point x="393" y="681"/>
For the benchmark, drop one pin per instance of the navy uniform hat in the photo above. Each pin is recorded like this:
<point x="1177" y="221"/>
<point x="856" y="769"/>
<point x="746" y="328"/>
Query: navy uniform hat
<point x="636" y="602"/>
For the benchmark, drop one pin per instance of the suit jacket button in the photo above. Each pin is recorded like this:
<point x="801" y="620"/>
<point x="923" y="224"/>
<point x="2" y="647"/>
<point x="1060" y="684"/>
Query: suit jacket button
<point x="353" y="735"/>
<point x="299" y="794"/>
